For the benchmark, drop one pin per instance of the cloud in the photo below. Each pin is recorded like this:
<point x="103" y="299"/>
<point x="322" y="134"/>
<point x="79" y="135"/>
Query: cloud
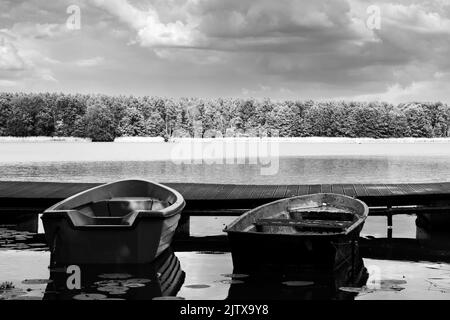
<point x="435" y="89"/>
<point x="9" y="57"/>
<point x="150" y="31"/>
<point x="286" y="48"/>
<point x="92" y="62"/>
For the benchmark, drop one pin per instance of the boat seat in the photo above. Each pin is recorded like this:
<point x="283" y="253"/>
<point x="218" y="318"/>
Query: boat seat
<point x="80" y="219"/>
<point x="334" y="225"/>
<point x="119" y="207"/>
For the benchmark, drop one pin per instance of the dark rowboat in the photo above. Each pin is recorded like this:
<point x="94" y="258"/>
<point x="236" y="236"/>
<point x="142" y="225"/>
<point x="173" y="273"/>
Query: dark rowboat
<point x="313" y="232"/>
<point x="124" y="222"/>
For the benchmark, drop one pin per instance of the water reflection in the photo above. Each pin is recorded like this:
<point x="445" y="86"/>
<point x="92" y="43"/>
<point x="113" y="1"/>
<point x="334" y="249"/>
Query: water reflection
<point x="162" y="278"/>
<point x="300" y="283"/>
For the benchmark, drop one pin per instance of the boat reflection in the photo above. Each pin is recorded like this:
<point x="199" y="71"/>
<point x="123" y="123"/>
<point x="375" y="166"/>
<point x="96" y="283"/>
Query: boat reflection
<point x="161" y="278"/>
<point x="300" y="284"/>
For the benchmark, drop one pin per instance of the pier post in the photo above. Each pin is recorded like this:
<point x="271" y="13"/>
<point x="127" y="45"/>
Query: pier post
<point x="389" y="222"/>
<point x="183" y="229"/>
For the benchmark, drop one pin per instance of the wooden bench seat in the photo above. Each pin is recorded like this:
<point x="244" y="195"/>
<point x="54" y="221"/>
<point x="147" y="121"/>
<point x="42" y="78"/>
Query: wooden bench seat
<point x="307" y="224"/>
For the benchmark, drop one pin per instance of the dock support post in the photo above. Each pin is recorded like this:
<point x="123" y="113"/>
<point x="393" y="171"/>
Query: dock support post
<point x="389" y="222"/>
<point x="183" y="229"/>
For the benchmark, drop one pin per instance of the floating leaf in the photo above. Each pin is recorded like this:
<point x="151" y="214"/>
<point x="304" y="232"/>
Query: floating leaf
<point x="118" y="291"/>
<point x="111" y="288"/>
<point x="235" y="275"/>
<point x="354" y="289"/>
<point x="37" y="244"/>
<point x="298" y="283"/>
<point x="37" y="281"/>
<point x="115" y="276"/>
<point x="108" y="283"/>
<point x="168" y="298"/>
<point x="389" y="282"/>
<point x="232" y="281"/>
<point x="11" y="293"/>
<point x="134" y="285"/>
<point x="137" y="280"/>
<point x="89" y="296"/>
<point x="197" y="286"/>
<point x="28" y="298"/>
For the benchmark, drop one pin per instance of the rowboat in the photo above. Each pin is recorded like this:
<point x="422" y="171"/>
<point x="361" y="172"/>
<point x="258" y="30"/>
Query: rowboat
<point x="124" y="222"/>
<point x="312" y="232"/>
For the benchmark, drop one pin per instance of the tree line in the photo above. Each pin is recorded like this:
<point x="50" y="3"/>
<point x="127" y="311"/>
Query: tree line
<point x="103" y="118"/>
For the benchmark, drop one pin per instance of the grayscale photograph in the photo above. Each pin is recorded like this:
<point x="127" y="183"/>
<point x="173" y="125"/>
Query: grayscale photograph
<point x="224" y="153"/>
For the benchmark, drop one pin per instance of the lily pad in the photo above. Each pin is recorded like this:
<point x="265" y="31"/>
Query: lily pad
<point x="111" y="288"/>
<point x="37" y="281"/>
<point x="89" y="296"/>
<point x="197" y="286"/>
<point x="11" y="293"/>
<point x="232" y="281"/>
<point x="118" y="291"/>
<point x="136" y="280"/>
<point x="28" y="298"/>
<point x="235" y="275"/>
<point x="37" y="244"/>
<point x="168" y="298"/>
<point x="134" y="285"/>
<point x="115" y="276"/>
<point x="355" y="289"/>
<point x="298" y="283"/>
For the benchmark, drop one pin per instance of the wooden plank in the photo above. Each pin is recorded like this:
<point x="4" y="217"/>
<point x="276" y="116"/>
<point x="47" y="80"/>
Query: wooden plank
<point x="268" y="192"/>
<point x="337" y="188"/>
<point x="372" y="190"/>
<point x="315" y="188"/>
<point x="360" y="190"/>
<point x="280" y="191"/>
<point x="303" y="190"/>
<point x="319" y="224"/>
<point x="326" y="188"/>
<point x="396" y="189"/>
<point x="349" y="190"/>
<point x="292" y="191"/>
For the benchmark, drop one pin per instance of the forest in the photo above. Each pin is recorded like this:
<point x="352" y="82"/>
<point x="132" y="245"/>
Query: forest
<point x="103" y="118"/>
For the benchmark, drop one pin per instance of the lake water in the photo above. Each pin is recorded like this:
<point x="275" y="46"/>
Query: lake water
<point x="208" y="275"/>
<point x="298" y="170"/>
<point x="237" y="162"/>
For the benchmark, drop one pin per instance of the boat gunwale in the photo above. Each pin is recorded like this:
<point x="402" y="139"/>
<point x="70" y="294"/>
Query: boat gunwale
<point x="165" y="213"/>
<point x="361" y="218"/>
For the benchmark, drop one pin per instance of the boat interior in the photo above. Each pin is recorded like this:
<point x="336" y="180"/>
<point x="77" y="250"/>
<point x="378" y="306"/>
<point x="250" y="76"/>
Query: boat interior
<point x="114" y="211"/>
<point x="295" y="216"/>
<point x="314" y="220"/>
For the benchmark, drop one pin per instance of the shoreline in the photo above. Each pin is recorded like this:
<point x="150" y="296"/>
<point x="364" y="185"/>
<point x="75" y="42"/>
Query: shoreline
<point x="229" y="139"/>
<point x="191" y="149"/>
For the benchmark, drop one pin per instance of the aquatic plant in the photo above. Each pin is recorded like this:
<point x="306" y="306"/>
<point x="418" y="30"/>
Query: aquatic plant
<point x="6" y="285"/>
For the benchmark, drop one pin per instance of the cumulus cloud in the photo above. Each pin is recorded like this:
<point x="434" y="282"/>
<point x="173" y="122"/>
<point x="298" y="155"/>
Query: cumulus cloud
<point x="148" y="26"/>
<point x="91" y="62"/>
<point x="9" y="57"/>
<point x="293" y="48"/>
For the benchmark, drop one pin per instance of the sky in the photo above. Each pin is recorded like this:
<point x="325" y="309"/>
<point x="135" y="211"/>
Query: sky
<point x="390" y="50"/>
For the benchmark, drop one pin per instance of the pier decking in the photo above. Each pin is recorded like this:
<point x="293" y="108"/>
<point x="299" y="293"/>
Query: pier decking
<point x="20" y="200"/>
<point x="32" y="194"/>
<point x="231" y="196"/>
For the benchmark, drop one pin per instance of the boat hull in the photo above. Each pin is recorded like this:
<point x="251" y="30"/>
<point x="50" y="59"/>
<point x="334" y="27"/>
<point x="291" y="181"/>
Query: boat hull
<point x="117" y="223"/>
<point x="141" y="244"/>
<point x="285" y="246"/>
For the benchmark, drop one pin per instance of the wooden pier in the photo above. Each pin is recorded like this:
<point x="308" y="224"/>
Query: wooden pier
<point x="21" y="200"/>
<point x="231" y="199"/>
